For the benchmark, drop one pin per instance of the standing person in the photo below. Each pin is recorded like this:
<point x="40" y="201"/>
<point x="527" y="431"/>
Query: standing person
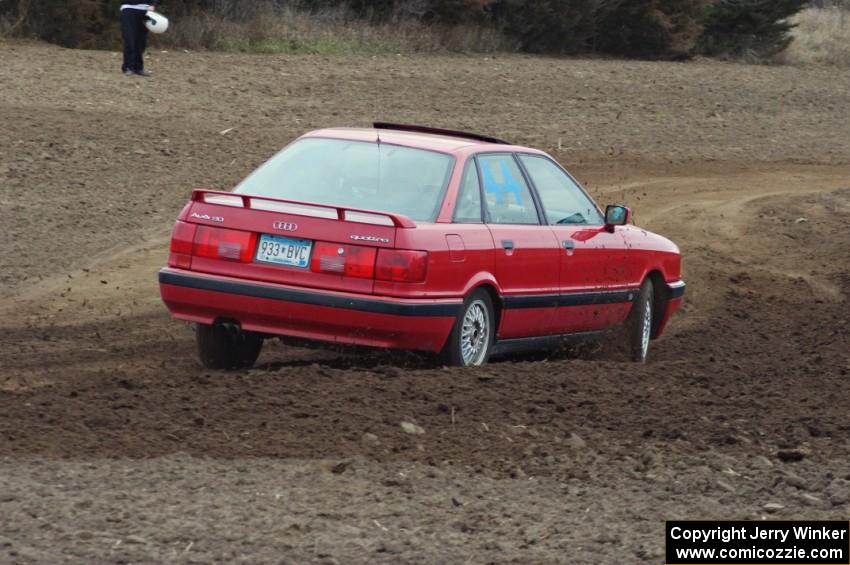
<point x="135" y="36"/>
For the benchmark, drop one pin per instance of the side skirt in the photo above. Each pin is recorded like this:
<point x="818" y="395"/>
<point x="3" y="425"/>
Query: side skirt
<point x="524" y="344"/>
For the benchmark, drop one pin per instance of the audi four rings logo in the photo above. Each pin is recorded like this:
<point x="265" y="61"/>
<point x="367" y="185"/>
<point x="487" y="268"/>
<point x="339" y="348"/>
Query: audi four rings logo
<point x="285" y="226"/>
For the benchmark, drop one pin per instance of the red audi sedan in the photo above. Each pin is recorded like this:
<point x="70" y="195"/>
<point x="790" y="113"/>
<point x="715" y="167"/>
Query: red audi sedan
<point x="414" y="238"/>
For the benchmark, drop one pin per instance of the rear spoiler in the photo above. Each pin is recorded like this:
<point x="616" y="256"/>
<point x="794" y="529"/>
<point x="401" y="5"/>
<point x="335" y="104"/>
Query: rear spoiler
<point x="296" y="207"/>
<point x="440" y="131"/>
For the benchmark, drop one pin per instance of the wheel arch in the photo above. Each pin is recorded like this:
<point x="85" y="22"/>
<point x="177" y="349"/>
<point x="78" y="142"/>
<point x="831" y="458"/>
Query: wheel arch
<point x="659" y="299"/>
<point x="495" y="299"/>
<point x="486" y="281"/>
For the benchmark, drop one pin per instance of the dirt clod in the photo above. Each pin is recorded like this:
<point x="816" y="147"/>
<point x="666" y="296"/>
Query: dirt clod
<point x="411" y="428"/>
<point x="791" y="455"/>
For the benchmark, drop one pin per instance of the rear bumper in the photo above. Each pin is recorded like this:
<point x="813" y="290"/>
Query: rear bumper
<point x="309" y="314"/>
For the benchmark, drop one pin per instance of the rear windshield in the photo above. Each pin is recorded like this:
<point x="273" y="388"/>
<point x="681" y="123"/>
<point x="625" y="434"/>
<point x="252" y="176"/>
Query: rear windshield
<point x="355" y="174"/>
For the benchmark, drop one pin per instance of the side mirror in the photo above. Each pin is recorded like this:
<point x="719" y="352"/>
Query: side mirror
<point x="616" y="215"/>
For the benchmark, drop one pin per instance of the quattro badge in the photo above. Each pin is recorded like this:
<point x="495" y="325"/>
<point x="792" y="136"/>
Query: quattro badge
<point x="370" y="238"/>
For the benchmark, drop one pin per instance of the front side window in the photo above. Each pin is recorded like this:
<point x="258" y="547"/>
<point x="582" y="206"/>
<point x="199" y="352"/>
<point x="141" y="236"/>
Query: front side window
<point x="564" y="202"/>
<point x="468" y="205"/>
<point x="356" y="174"/>
<point x="506" y="193"/>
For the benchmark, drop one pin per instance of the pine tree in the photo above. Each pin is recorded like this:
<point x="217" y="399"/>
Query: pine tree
<point x="554" y="26"/>
<point x="651" y="28"/>
<point x="753" y="29"/>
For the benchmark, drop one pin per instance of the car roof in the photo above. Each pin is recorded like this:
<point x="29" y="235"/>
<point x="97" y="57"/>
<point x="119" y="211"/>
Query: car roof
<point x="444" y="143"/>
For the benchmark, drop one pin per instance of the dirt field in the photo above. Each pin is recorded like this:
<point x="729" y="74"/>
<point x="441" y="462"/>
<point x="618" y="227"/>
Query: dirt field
<point x="116" y="447"/>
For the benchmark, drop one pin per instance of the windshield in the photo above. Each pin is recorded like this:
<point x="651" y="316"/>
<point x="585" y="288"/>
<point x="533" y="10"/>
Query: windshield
<point x="355" y="174"/>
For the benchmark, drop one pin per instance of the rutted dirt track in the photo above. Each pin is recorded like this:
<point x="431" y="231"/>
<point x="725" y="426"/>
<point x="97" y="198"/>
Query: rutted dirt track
<point x="116" y="447"/>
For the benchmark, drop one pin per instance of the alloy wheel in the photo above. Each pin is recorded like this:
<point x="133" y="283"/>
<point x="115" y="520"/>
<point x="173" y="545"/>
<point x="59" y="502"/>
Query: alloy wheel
<point x="646" y="327"/>
<point x="475" y="333"/>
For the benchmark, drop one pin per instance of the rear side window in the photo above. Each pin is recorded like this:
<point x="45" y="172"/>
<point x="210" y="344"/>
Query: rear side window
<point x="506" y="194"/>
<point x="356" y="174"/>
<point x="564" y="202"/>
<point x="468" y="205"/>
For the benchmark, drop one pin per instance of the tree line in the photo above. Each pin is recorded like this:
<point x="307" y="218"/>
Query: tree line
<point x="669" y="29"/>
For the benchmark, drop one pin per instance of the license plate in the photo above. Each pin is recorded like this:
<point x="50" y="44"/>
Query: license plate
<point x="284" y="251"/>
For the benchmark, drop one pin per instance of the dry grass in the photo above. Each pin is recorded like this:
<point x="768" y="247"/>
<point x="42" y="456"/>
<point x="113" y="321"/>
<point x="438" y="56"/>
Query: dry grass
<point x="822" y="37"/>
<point x="328" y="32"/>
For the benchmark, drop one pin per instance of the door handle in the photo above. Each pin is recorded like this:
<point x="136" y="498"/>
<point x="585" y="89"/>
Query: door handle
<point x="507" y="244"/>
<point x="569" y="244"/>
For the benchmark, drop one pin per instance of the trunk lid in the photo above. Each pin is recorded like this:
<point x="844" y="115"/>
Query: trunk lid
<point x="336" y="238"/>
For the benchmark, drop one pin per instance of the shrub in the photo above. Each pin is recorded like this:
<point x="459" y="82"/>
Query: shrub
<point x="821" y="37"/>
<point x="77" y="23"/>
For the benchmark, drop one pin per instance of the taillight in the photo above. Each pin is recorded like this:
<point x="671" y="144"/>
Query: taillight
<point x="220" y="243"/>
<point x="181" y="245"/>
<point x="348" y="260"/>
<point x="401" y="265"/>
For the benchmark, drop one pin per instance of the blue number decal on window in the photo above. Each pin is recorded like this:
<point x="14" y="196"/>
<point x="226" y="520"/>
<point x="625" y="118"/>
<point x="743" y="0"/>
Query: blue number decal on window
<point x="509" y="184"/>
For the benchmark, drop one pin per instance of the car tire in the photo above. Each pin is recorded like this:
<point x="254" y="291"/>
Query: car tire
<point x="639" y="323"/>
<point x="226" y="346"/>
<point x="473" y="334"/>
